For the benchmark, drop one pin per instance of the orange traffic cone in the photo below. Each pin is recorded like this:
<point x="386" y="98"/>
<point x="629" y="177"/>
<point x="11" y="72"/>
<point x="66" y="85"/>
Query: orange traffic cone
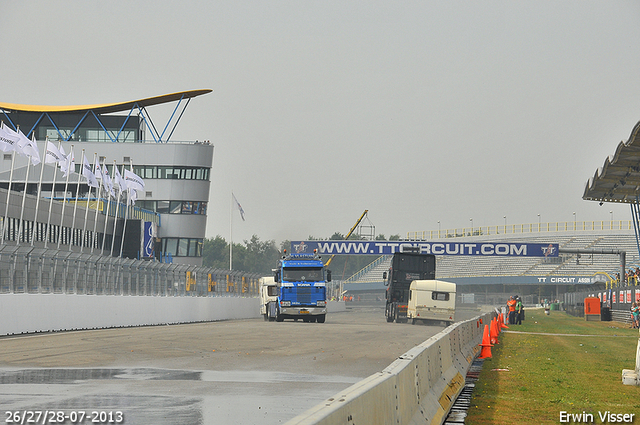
<point x="494" y="331"/>
<point x="502" y="325"/>
<point x="485" y="353"/>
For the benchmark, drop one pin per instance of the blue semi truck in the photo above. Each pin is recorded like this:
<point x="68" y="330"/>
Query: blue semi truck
<point x="302" y="288"/>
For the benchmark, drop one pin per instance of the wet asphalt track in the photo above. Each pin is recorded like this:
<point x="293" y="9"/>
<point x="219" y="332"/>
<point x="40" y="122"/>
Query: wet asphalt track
<point x="231" y="372"/>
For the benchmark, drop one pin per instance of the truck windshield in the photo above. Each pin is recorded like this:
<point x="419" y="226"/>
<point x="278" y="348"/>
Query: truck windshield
<point x="302" y="274"/>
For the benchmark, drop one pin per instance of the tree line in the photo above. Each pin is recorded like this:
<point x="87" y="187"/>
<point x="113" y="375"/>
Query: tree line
<point x="258" y="256"/>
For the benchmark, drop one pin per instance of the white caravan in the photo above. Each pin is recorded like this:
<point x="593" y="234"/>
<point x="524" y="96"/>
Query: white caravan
<point x="432" y="300"/>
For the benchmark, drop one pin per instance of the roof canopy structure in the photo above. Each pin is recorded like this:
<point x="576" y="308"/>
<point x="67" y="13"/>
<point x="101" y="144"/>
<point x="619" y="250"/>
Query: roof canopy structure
<point x="619" y="178"/>
<point x="49" y="112"/>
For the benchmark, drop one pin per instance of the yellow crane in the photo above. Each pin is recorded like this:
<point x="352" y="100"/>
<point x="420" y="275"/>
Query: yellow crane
<point x="350" y="232"/>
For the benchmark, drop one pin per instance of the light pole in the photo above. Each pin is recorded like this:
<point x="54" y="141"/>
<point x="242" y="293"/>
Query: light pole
<point x="471" y="220"/>
<point x="611" y="214"/>
<point x="438" y="229"/>
<point x="574" y="220"/>
<point x="538" y="222"/>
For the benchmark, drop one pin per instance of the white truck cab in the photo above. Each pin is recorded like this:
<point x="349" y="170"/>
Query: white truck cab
<point x="268" y="297"/>
<point x="432" y="300"/>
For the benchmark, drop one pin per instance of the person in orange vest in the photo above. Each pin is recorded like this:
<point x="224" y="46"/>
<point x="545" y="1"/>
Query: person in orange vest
<point x="512" y="310"/>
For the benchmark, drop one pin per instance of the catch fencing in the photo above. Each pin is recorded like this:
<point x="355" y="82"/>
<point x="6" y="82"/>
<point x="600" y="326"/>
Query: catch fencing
<point x="28" y="270"/>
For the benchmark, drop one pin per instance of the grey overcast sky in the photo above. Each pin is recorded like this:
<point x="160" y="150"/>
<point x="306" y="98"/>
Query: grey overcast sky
<point x="419" y="111"/>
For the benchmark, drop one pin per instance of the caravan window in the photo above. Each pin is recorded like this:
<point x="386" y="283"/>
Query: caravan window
<point x="440" y="296"/>
<point x="272" y="291"/>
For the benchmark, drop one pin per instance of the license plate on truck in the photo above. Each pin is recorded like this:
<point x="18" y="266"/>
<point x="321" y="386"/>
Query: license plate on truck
<point x="304" y="312"/>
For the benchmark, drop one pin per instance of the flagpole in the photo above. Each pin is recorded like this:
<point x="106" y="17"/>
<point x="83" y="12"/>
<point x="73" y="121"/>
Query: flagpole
<point x="53" y="193"/>
<point x="24" y="198"/>
<point x="126" y="211"/>
<point x="231" y="233"/>
<point x="75" y="204"/>
<point x="64" y="195"/>
<point x="106" y="219"/>
<point x="35" y="217"/>
<point x="95" y="217"/>
<point x="86" y="209"/>
<point x="6" y="211"/>
<point x="113" y="237"/>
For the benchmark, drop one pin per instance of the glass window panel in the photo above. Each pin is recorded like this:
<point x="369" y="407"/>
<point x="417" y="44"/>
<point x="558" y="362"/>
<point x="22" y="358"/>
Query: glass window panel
<point x="188" y="172"/>
<point x="193" y="247"/>
<point x="171" y="246"/>
<point x="163" y="207"/>
<point x="183" y="246"/>
<point x="149" y="205"/>
<point x="187" y="207"/>
<point x="199" y="174"/>
<point x="203" y="208"/>
<point x="175" y="207"/>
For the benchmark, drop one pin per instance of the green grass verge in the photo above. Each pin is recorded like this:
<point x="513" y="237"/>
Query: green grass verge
<point x="546" y="373"/>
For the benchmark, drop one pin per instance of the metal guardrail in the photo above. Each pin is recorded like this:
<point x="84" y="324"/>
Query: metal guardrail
<point x="30" y="270"/>
<point x="566" y="226"/>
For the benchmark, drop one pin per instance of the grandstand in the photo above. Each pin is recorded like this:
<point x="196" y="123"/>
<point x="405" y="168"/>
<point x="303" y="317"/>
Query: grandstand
<point x="523" y="275"/>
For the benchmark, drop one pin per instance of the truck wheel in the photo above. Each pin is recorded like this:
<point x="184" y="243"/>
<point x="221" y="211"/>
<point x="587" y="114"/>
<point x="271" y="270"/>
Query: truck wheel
<point x="266" y="317"/>
<point x="388" y="315"/>
<point x="279" y="317"/>
<point x="321" y="318"/>
<point x="413" y="321"/>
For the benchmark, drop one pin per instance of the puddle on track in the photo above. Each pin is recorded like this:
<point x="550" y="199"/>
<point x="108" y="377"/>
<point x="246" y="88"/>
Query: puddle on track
<point x="169" y="396"/>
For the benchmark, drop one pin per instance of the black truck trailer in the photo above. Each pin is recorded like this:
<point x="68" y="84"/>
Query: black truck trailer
<point x="405" y="268"/>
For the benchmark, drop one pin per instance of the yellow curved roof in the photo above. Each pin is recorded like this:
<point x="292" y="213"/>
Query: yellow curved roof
<point x="106" y="107"/>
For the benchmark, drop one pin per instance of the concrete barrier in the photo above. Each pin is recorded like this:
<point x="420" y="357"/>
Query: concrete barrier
<point x="418" y="388"/>
<point x="26" y="313"/>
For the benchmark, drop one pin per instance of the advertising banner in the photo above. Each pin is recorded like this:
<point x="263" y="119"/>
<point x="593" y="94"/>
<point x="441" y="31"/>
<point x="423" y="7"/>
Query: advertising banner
<point x="148" y="239"/>
<point x="486" y="249"/>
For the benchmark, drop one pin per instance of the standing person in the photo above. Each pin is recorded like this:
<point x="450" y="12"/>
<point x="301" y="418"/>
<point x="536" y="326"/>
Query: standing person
<point x="519" y="311"/>
<point x="512" y="310"/>
<point x="635" y="315"/>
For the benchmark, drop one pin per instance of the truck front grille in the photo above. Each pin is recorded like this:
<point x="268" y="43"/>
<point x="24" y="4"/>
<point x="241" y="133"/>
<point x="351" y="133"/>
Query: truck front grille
<point x="304" y="294"/>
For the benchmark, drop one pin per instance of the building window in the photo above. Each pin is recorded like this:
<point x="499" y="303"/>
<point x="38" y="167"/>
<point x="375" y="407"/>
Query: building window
<point x="171" y="173"/>
<point x="174" y="207"/>
<point x="162" y="207"/>
<point x="182" y="247"/>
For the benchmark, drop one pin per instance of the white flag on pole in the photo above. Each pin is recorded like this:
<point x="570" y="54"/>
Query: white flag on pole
<point x="238" y="206"/>
<point x="106" y="180"/>
<point x="53" y="155"/>
<point x="29" y="147"/>
<point x="133" y="196"/>
<point x="119" y="180"/>
<point x="8" y="141"/>
<point x="88" y="174"/>
<point x="133" y="181"/>
<point x="97" y="170"/>
<point x="68" y="165"/>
